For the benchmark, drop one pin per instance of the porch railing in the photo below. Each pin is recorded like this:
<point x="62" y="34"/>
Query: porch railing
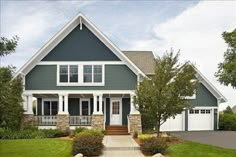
<point x="80" y="120"/>
<point x="128" y="124"/>
<point x="45" y="120"/>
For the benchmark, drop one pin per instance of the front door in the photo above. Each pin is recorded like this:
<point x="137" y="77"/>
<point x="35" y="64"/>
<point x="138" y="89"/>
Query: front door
<point x="115" y="114"/>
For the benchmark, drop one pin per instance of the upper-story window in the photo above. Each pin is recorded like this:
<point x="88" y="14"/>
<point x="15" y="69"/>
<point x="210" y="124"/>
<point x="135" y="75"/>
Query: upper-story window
<point x="93" y="73"/>
<point x="68" y="73"/>
<point x="80" y="75"/>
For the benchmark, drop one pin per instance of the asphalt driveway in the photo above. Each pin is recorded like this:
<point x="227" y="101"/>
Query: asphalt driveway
<point x="225" y="139"/>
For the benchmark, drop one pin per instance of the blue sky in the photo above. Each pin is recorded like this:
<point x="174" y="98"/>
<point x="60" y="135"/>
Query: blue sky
<point x="193" y="27"/>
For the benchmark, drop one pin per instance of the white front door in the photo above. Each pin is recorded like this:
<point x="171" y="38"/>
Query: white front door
<point x="115" y="114"/>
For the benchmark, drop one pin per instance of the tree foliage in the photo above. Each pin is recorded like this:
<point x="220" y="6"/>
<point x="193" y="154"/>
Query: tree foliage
<point x="228" y="110"/>
<point x="11" y="110"/>
<point x="227" y="69"/>
<point x="8" y="46"/>
<point x="163" y="95"/>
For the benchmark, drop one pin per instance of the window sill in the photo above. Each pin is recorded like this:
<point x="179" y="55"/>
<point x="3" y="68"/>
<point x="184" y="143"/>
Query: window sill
<point x="80" y="84"/>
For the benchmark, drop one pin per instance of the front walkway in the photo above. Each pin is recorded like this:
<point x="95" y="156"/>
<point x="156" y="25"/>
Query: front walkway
<point x="117" y="146"/>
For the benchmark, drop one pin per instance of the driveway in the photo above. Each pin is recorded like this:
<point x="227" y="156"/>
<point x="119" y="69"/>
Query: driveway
<point x="225" y="139"/>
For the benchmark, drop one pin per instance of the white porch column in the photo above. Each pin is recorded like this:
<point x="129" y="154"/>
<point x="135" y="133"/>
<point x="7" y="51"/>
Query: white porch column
<point x="95" y="104"/>
<point x="100" y="104"/>
<point x="132" y="105"/>
<point x="66" y="103"/>
<point x="60" y="111"/>
<point x="29" y="105"/>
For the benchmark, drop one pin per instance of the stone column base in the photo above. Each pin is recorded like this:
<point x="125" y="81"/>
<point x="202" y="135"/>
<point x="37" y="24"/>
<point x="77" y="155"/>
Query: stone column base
<point x="28" y="121"/>
<point x="135" y="123"/>
<point x="98" y="122"/>
<point x="63" y="122"/>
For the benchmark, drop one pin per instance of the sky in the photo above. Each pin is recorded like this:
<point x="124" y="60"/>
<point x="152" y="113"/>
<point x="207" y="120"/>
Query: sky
<point x="193" y="27"/>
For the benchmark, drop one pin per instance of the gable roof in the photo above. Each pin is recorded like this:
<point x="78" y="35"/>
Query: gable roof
<point x="55" y="40"/>
<point x="144" y="60"/>
<point x="209" y="86"/>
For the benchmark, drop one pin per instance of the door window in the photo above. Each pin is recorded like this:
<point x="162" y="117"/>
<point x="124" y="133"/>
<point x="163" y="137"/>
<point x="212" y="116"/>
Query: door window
<point x="85" y="108"/>
<point x="116" y="107"/>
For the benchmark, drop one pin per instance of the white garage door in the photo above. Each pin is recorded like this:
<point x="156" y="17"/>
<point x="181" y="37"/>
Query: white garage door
<point x="176" y="124"/>
<point x="200" y="119"/>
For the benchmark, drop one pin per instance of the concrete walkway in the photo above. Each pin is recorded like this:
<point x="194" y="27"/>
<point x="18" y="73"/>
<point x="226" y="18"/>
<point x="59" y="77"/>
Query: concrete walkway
<point x="121" y="145"/>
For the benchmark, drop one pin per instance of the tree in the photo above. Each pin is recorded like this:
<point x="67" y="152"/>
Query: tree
<point x="163" y="95"/>
<point x="228" y="110"/>
<point x="11" y="111"/>
<point x="227" y="69"/>
<point x="8" y="46"/>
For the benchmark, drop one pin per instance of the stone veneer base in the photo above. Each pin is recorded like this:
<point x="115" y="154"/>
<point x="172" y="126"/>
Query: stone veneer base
<point x="135" y="123"/>
<point x="28" y="120"/>
<point x="63" y="122"/>
<point x="98" y="122"/>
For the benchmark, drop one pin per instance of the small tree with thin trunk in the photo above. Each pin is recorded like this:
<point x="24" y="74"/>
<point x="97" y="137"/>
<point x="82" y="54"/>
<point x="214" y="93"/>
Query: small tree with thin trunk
<point x="164" y="94"/>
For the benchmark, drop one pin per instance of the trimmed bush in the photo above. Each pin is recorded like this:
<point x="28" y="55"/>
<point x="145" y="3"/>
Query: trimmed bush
<point x="88" y="145"/>
<point x="227" y="122"/>
<point x="30" y="134"/>
<point x="90" y="132"/>
<point x="153" y="146"/>
<point x="144" y="137"/>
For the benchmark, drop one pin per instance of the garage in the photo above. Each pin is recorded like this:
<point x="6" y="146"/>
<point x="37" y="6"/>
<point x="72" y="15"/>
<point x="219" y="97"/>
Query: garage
<point x="200" y="119"/>
<point x="172" y="124"/>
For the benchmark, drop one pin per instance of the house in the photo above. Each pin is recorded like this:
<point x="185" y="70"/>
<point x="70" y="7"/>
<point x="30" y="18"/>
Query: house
<point x="80" y="78"/>
<point x="234" y="109"/>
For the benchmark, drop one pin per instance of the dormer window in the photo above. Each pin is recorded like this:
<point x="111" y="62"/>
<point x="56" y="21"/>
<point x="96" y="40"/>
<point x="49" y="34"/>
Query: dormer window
<point x="80" y="75"/>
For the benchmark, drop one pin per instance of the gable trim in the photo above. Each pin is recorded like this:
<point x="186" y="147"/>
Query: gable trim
<point x="56" y="39"/>
<point x="210" y="86"/>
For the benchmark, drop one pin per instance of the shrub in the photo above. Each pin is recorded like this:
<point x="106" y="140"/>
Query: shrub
<point x="88" y="145"/>
<point x="90" y="132"/>
<point x="135" y="135"/>
<point x="144" y="137"/>
<point x="153" y="145"/>
<point x="52" y="133"/>
<point x="79" y="130"/>
<point x="227" y="122"/>
<point x="30" y="134"/>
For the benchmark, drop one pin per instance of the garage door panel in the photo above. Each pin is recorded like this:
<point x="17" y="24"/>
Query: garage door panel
<point x="200" y="119"/>
<point x="172" y="124"/>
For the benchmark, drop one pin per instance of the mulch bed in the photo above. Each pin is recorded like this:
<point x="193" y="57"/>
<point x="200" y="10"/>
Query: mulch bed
<point x="67" y="138"/>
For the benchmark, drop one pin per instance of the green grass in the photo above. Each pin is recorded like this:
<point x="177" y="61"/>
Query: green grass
<point x="35" y="148"/>
<point x="191" y="149"/>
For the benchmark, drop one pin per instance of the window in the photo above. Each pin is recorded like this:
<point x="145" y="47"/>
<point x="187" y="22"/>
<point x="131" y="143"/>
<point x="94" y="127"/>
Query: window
<point x="208" y="111"/>
<point x="50" y="107"/>
<point x="97" y="73"/>
<point x="191" y="111"/>
<point x="203" y="111"/>
<point x="63" y="73"/>
<point x="73" y="73"/>
<point x="87" y="73"/>
<point x="196" y="111"/>
<point x="115" y="107"/>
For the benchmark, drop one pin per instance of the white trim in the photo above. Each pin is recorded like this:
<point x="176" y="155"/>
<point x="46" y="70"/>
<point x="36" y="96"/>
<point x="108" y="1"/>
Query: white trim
<point x="81" y="62"/>
<point x="63" y="92"/>
<point x="209" y="85"/>
<point x="204" y="107"/>
<point x="80" y="106"/>
<point x="63" y="33"/>
<point x="120" y="118"/>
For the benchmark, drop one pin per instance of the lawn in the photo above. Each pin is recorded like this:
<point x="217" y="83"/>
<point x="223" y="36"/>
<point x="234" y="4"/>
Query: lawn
<point x="191" y="149"/>
<point x="35" y="148"/>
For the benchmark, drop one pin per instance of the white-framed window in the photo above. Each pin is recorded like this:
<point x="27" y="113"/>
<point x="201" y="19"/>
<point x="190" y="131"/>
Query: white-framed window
<point x="50" y="107"/>
<point x="80" y="74"/>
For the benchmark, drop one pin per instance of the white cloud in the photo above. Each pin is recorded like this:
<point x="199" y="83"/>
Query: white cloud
<point x="197" y="33"/>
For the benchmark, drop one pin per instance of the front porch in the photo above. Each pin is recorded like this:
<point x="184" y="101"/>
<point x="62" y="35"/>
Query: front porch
<point x="91" y="110"/>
